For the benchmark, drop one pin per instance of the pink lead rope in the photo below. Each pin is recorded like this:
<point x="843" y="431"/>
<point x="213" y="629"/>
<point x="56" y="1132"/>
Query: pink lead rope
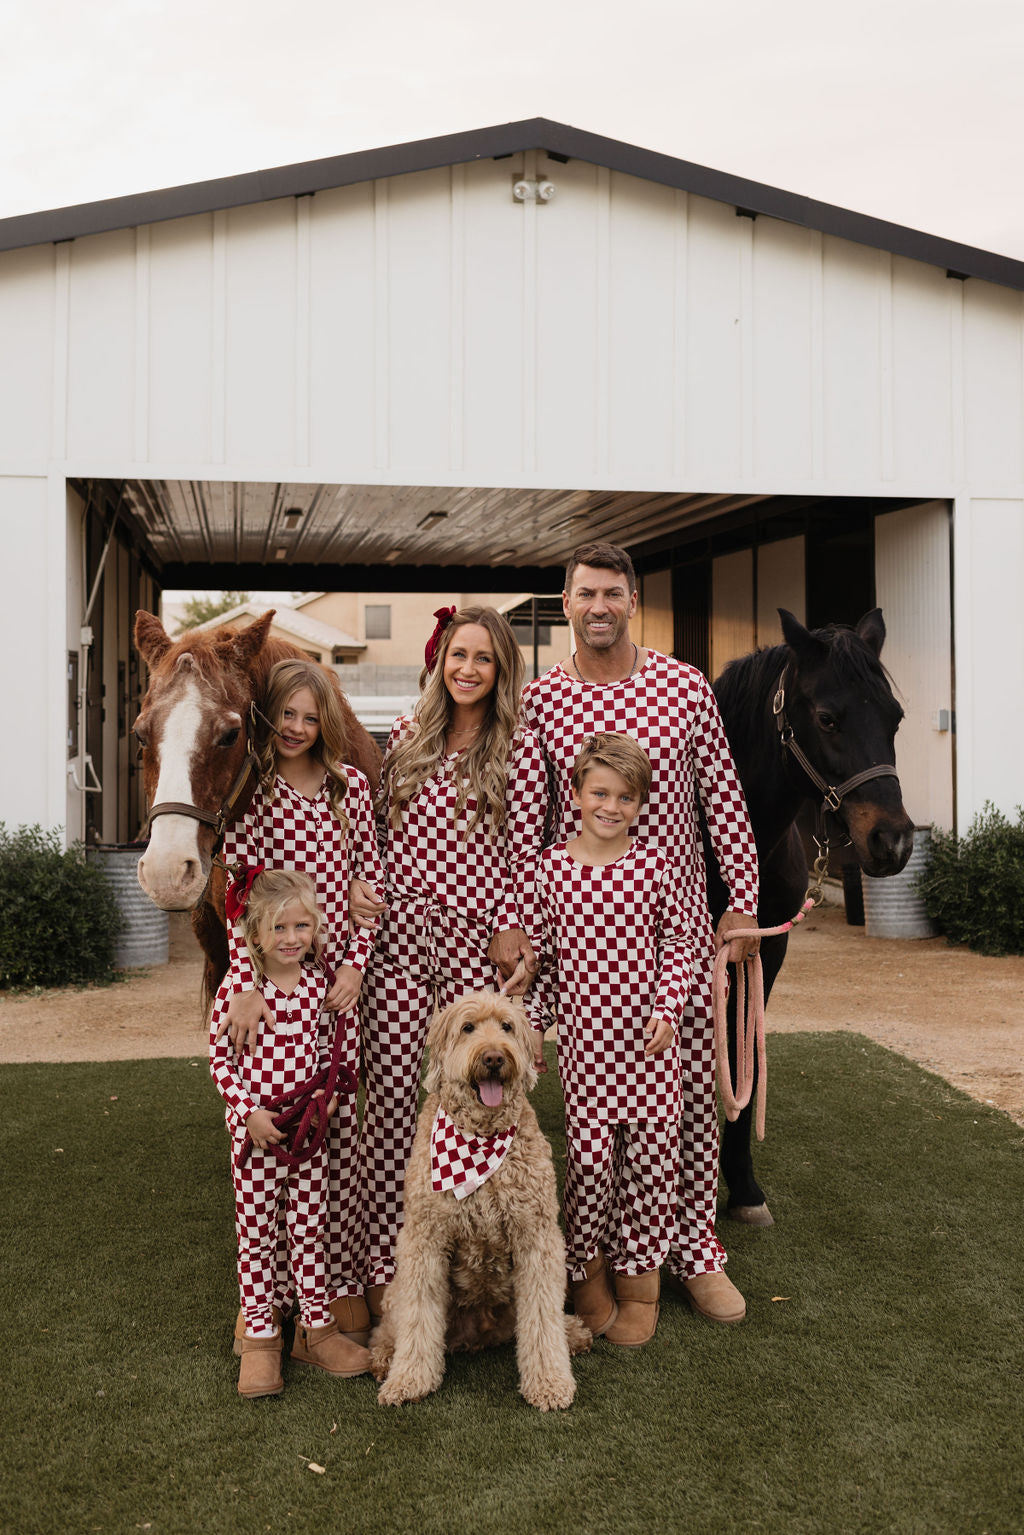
<point x="749" y="1022"/>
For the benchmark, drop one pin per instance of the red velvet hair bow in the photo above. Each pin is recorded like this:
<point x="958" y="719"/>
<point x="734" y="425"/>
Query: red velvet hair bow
<point x="444" y="617"/>
<point x="236" y="896"/>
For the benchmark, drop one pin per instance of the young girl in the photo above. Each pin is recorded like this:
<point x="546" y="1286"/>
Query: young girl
<point x="281" y="927"/>
<point x="463" y="799"/>
<point x="313" y="813"/>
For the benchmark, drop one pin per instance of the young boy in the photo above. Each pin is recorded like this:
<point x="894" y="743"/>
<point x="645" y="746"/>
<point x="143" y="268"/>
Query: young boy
<point x="605" y="912"/>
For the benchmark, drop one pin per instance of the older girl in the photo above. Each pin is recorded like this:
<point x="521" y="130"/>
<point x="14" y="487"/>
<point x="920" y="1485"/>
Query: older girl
<point x="463" y="799"/>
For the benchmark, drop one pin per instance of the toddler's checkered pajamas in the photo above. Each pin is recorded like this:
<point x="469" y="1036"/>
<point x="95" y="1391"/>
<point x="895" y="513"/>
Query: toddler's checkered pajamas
<point x="293" y="832"/>
<point x="670" y="709"/>
<point x="284" y="1058"/>
<point x="443" y="891"/>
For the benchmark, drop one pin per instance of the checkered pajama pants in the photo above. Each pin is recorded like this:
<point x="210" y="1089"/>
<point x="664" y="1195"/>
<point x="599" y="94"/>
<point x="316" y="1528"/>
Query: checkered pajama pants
<point x="422" y="962"/>
<point x="264" y="1188"/>
<point x="695" y="1248"/>
<point x="620" y="1188"/>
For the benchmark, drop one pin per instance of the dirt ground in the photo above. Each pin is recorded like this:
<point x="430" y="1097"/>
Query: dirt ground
<point x="956" y="1013"/>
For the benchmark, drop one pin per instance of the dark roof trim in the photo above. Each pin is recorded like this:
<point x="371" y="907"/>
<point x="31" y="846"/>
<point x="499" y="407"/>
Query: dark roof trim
<point x="175" y="576"/>
<point x="487" y="143"/>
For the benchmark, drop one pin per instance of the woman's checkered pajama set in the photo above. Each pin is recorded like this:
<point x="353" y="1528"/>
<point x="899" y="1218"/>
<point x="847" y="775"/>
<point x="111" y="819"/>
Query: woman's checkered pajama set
<point x="614" y="950"/>
<point x="293" y="832"/>
<point x="670" y="710"/>
<point x="443" y="890"/>
<point x="284" y="1058"/>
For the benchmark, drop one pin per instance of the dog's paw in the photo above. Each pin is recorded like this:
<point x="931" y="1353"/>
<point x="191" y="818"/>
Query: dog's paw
<point x="550" y="1392"/>
<point x="398" y="1389"/>
<point x="380" y="1363"/>
<point x="577" y="1335"/>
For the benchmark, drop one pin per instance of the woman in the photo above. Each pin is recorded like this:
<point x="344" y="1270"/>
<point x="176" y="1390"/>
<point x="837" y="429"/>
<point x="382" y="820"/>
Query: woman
<point x="463" y="799"/>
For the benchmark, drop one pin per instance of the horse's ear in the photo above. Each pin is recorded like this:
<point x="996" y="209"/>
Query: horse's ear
<point x="807" y="650"/>
<point x="871" y="629"/>
<point x="151" y="638"/>
<point x="247" y="645"/>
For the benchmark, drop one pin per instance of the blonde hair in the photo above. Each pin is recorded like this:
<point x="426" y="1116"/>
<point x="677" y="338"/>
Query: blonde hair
<point x="482" y="771"/>
<point x="620" y="754"/>
<point x="331" y="747"/>
<point x="271" y="892"/>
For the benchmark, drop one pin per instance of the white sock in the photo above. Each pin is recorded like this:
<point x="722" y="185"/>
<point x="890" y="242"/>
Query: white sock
<point x="259" y="1332"/>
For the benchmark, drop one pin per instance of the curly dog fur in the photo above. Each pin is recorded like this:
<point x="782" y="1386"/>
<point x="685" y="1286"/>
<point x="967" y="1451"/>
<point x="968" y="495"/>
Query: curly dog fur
<point x="479" y="1271"/>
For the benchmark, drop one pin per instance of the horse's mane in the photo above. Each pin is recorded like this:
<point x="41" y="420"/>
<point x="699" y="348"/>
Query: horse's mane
<point x="209" y="649"/>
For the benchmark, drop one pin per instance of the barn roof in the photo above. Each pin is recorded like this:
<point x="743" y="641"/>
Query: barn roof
<point x="558" y="141"/>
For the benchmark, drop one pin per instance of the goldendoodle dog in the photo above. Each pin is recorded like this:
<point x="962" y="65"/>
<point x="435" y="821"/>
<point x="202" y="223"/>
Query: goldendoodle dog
<point x="480" y="1259"/>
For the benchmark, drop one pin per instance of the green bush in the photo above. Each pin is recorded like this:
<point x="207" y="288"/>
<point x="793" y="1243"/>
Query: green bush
<point x="973" y="887"/>
<point x="59" y="919"/>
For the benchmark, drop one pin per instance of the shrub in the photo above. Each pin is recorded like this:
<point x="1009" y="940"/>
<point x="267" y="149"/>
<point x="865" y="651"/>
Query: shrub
<point x="973" y="887"/>
<point x="59" y="919"/>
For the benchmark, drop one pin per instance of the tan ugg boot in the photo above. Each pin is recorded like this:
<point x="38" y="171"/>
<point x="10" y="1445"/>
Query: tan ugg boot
<point x="260" y="1371"/>
<point x="353" y="1318"/>
<point x="592" y="1298"/>
<point x="637" y="1296"/>
<point x="236" y="1347"/>
<point x="328" y="1350"/>
<point x="716" y="1297"/>
<point x="374" y="1295"/>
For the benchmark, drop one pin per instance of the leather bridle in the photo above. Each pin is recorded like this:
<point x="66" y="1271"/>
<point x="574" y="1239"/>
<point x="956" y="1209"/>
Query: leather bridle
<point x="237" y="798"/>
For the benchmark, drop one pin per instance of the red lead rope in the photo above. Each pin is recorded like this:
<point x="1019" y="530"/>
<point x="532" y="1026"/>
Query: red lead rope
<point x="749" y="1023"/>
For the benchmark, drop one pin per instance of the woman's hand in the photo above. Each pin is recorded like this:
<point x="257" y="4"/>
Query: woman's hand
<point x="246" y="1013"/>
<point x="343" y="994"/>
<point x="660" y="1034"/>
<point x="263" y="1130"/>
<point x="512" y="954"/>
<point x="364" y="909"/>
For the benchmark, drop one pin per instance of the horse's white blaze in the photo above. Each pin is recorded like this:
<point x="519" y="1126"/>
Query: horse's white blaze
<point x="170" y="872"/>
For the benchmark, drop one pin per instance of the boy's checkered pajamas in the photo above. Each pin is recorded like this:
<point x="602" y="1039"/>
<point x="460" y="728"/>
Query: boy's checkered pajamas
<point x="614" y="950"/>
<point x="443" y="891"/>
<point x="284" y="1058"/>
<point x="293" y="832"/>
<point x="670" y="709"/>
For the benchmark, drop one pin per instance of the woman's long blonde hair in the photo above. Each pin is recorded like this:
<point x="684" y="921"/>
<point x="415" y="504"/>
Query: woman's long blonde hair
<point x="482" y="769"/>
<point x="331" y="746"/>
<point x="273" y="890"/>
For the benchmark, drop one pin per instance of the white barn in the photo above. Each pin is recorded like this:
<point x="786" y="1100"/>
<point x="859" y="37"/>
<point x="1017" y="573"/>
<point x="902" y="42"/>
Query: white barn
<point x="440" y="365"/>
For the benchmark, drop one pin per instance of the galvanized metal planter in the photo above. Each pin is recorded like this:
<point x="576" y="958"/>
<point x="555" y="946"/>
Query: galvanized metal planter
<point x="144" y="937"/>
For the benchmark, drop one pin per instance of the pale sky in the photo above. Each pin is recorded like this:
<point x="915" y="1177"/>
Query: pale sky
<point x="911" y="110"/>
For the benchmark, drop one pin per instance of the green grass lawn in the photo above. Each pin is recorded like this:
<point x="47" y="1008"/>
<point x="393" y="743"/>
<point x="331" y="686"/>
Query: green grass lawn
<point x="876" y="1384"/>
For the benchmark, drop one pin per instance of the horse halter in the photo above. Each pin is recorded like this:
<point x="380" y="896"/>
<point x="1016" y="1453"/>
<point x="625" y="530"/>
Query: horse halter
<point x="238" y="796"/>
<point x="832" y="794"/>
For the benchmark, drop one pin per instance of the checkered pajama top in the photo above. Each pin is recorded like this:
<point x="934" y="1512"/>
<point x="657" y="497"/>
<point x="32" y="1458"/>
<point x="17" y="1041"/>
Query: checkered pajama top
<point x="293" y="832"/>
<point x="670" y="709"/>
<point x="284" y="1058"/>
<point x="614" y="948"/>
<point x="429" y="855"/>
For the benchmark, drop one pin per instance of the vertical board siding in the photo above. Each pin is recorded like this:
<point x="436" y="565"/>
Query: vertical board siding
<point x="782" y="349"/>
<point x="566" y="331"/>
<point x="781" y="583"/>
<point x="494" y="317"/>
<point x="180" y="348"/>
<point x="852" y="362"/>
<point x="713" y="327"/>
<point x="259" y="299"/>
<point x="990" y="686"/>
<point x="342" y="328"/>
<point x="101" y="347"/>
<point x="641" y="274"/>
<point x="419" y="320"/>
<point x="912" y="589"/>
<point x="29" y="590"/>
<point x="921" y="372"/>
<point x="992" y="384"/>
<point x="26" y="351"/>
<point x="732" y="608"/>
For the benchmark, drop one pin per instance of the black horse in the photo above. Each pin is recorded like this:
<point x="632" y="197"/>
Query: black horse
<point x="804" y="718"/>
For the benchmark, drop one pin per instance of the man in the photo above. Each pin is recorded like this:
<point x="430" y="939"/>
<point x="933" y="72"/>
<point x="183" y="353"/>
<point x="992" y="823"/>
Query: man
<point x="611" y="684"/>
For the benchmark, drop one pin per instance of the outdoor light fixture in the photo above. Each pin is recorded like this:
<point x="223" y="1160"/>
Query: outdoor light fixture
<point x="292" y="517"/>
<point x="392" y="555"/>
<point x="431" y="517"/>
<point x="533" y="191"/>
<point x="280" y="553"/>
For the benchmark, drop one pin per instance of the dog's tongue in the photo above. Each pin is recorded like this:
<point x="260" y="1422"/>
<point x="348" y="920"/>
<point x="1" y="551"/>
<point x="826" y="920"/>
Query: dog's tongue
<point x="491" y="1093"/>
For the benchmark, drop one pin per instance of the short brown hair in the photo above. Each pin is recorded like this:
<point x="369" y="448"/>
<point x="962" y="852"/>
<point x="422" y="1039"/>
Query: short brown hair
<point x="622" y="755"/>
<point x="601" y="557"/>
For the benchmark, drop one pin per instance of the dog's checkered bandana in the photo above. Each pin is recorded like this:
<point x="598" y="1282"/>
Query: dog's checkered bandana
<point x="459" y="1163"/>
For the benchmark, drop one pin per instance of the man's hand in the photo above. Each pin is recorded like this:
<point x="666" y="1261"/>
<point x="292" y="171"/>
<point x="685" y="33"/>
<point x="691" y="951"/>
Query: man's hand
<point x="739" y="948"/>
<point x="512" y="955"/>
<point x="247" y="1012"/>
<point x="363" y="905"/>
<point x="342" y="996"/>
<point x="660" y="1034"/>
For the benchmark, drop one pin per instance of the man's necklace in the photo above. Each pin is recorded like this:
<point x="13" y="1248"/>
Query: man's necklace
<point x="632" y="669"/>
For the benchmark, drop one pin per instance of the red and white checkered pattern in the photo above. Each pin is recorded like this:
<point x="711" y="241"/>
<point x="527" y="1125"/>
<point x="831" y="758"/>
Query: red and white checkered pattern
<point x="459" y="1163"/>
<point x="432" y="949"/>
<point x="614" y="950"/>
<point x="670" y="709"/>
<point x="293" y="832"/>
<point x="284" y="1058"/>
<point x="620" y="1193"/>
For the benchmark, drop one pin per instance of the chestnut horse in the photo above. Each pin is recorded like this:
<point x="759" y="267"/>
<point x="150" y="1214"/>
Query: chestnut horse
<point x="194" y="733"/>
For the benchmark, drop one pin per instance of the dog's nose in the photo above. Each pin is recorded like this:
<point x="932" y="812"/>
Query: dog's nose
<point x="493" y="1060"/>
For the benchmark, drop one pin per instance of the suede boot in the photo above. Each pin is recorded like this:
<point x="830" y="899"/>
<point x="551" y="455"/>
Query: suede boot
<point x="236" y="1347"/>
<point x="716" y="1297"/>
<point x="353" y="1318"/>
<point x="637" y="1297"/>
<point x="592" y="1298"/>
<point x="260" y="1371"/>
<point x="328" y="1350"/>
<point x="374" y="1295"/>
